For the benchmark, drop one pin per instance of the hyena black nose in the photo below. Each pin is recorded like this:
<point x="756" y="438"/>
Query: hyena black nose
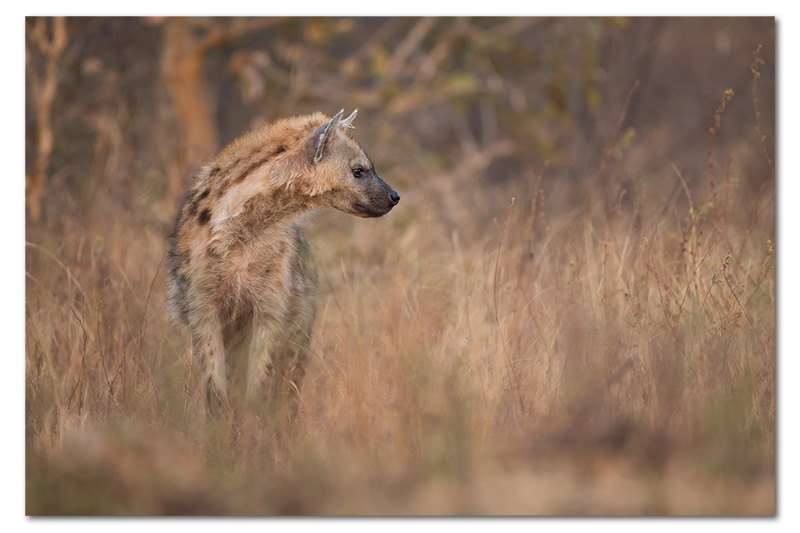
<point x="394" y="197"/>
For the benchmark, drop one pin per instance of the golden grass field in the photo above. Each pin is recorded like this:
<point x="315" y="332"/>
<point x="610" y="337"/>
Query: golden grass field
<point x="542" y="346"/>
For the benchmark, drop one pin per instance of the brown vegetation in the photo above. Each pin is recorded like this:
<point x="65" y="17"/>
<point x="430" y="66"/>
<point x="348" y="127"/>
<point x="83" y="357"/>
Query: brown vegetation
<point x="570" y="312"/>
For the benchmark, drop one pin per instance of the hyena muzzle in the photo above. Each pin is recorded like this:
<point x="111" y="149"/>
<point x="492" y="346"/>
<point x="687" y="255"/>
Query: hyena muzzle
<point x="241" y="275"/>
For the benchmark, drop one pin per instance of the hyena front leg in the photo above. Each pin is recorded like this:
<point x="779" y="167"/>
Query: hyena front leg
<point x="260" y="364"/>
<point x="209" y="359"/>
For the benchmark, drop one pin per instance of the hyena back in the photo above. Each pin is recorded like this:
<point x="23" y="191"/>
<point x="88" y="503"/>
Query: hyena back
<point x="240" y="272"/>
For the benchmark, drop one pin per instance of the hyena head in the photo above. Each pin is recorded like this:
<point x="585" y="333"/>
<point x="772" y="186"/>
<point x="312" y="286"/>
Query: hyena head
<point x="342" y="173"/>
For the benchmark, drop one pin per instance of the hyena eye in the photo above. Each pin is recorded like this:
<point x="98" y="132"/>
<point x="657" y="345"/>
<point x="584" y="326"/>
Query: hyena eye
<point x="358" y="172"/>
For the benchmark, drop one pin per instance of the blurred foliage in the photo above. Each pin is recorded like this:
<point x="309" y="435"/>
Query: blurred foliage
<point x="440" y="99"/>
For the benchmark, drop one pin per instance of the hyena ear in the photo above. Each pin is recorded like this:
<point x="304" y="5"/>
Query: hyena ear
<point x="348" y="122"/>
<point x="316" y="142"/>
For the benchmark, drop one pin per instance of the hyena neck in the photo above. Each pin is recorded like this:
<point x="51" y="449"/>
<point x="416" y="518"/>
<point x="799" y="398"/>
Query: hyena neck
<point x="259" y="184"/>
<point x="244" y="185"/>
<point x="270" y="209"/>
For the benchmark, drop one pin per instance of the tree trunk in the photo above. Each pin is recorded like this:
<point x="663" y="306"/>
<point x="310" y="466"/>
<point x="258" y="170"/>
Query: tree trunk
<point x="182" y="67"/>
<point x="44" y="92"/>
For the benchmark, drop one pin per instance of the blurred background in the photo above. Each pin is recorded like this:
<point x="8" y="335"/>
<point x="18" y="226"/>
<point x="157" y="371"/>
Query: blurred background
<point x="121" y="111"/>
<point x="580" y="273"/>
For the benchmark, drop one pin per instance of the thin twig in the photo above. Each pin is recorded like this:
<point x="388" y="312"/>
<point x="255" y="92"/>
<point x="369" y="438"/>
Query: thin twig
<point x="761" y="136"/>
<point x="712" y="131"/>
<point x="686" y="292"/>
<point x="60" y="263"/>
<point x="745" y="313"/>
<point x="663" y="302"/>
<point x="100" y="345"/>
<point x="607" y="149"/>
<point x="511" y="374"/>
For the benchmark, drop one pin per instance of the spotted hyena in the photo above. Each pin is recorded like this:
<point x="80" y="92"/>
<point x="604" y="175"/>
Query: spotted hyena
<point x="240" y="272"/>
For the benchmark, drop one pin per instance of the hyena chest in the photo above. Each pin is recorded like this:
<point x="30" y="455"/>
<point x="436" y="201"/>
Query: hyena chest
<point x="251" y="278"/>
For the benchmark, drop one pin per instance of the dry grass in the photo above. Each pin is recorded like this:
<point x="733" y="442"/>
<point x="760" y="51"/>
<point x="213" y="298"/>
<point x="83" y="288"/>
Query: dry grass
<point x="537" y="345"/>
<point x="543" y="373"/>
